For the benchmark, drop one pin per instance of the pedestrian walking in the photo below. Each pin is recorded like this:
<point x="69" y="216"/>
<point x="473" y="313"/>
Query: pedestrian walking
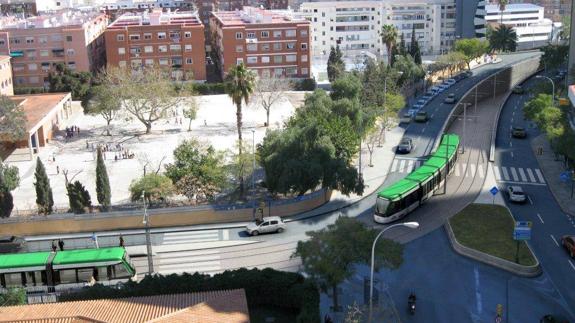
<point x="78" y="129"/>
<point x="53" y="158"/>
<point x="121" y="241"/>
<point x="54" y="248"/>
<point x="205" y="123"/>
<point x="61" y="244"/>
<point x="57" y="170"/>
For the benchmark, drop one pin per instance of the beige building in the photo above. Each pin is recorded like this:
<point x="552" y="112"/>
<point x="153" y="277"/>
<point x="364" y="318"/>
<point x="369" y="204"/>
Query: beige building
<point x="37" y="44"/>
<point x="6" y="87"/>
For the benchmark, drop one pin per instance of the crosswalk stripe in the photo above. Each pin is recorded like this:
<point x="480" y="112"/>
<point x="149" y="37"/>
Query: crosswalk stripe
<point x="522" y="174"/>
<point x="514" y="174"/>
<point x="540" y="176"/>
<point x="480" y="170"/>
<point x="394" y="165"/>
<point x="401" y="165"/>
<point x="472" y="173"/>
<point x="531" y="177"/>
<point x="505" y="173"/>
<point x="456" y="170"/>
<point x="497" y="173"/>
<point x="409" y="166"/>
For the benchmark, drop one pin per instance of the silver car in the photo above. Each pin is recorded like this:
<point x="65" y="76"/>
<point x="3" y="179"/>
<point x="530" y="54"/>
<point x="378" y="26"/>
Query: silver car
<point x="516" y="194"/>
<point x="266" y="225"/>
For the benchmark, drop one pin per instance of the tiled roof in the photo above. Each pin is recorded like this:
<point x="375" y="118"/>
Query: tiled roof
<point x="37" y="106"/>
<point x="227" y="306"/>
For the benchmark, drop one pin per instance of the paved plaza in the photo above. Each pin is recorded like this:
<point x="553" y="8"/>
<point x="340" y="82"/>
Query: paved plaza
<point x="215" y="124"/>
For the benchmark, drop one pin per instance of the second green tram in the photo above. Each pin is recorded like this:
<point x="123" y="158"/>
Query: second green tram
<point x="42" y="271"/>
<point x="402" y="197"/>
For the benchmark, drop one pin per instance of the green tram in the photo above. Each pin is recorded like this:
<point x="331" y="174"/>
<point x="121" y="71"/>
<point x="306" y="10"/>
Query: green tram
<point x="402" y="197"/>
<point x="52" y="271"/>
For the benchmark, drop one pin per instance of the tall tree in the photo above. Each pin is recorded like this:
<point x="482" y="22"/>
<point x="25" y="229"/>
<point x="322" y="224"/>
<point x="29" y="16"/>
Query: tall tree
<point x="44" y="198"/>
<point x="78" y="197"/>
<point x="330" y="255"/>
<point x="13" y="297"/>
<point x="9" y="180"/>
<point x="270" y="91"/>
<point x="503" y="39"/>
<point x="335" y="64"/>
<point x="402" y="46"/>
<point x="389" y="36"/>
<point x="12" y="120"/>
<point x="64" y="79"/>
<point x="106" y="102"/>
<point x="414" y="49"/>
<point x="472" y="48"/>
<point x="240" y="85"/>
<point x="103" y="191"/>
<point x="502" y="7"/>
<point x="147" y="94"/>
<point x="156" y="188"/>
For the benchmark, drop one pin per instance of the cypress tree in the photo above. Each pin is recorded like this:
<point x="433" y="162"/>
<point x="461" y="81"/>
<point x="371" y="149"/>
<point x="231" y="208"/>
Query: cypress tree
<point x="44" y="198"/>
<point x="402" y="49"/>
<point x="103" y="191"/>
<point x="78" y="197"/>
<point x="417" y="53"/>
<point x="413" y="41"/>
<point x="6" y="200"/>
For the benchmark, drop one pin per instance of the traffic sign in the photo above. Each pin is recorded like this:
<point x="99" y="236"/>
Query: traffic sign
<point x="522" y="233"/>
<point x="528" y="224"/>
<point x="565" y="176"/>
<point x="494" y="190"/>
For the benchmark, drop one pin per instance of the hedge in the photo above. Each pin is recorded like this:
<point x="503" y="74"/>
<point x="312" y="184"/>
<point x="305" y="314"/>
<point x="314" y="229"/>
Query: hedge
<point x="28" y="90"/>
<point x="210" y="88"/>
<point x="267" y="287"/>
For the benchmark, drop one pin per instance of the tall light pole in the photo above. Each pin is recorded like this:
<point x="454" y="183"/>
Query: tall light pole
<point x="148" y="240"/>
<point x="465" y="104"/>
<point x="254" y="173"/>
<point x="552" y="84"/>
<point x="411" y="225"/>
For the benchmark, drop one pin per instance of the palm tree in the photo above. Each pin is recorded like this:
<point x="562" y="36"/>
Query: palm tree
<point x="503" y="39"/>
<point x="389" y="36"/>
<point x="240" y="85"/>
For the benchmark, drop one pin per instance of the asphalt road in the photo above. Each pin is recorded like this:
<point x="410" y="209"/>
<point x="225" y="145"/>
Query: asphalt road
<point x="515" y="157"/>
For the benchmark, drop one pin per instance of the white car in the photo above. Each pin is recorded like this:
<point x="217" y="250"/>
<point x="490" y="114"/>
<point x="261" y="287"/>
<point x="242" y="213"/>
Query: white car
<point x="405" y="118"/>
<point x="451" y="81"/>
<point x="516" y="194"/>
<point x="266" y="225"/>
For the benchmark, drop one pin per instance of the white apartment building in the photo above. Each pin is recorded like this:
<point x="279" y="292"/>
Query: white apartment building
<point x="355" y="25"/>
<point x="532" y="29"/>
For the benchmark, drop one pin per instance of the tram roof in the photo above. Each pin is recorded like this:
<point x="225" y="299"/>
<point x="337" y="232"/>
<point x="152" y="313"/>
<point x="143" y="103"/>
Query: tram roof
<point x="23" y="260"/>
<point x="80" y="256"/>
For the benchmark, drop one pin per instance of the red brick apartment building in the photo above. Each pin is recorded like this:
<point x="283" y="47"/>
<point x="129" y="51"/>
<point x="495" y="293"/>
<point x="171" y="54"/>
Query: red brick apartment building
<point x="267" y="42"/>
<point x="36" y="44"/>
<point x="166" y="39"/>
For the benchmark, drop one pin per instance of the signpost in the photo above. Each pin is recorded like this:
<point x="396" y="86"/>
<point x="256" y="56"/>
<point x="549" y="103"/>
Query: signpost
<point x="567" y="176"/>
<point x="521" y="232"/>
<point x="494" y="190"/>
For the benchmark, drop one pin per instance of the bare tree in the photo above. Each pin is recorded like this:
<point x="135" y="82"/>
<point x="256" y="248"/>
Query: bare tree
<point x="147" y="162"/>
<point x="269" y="91"/>
<point x="147" y="94"/>
<point x="191" y="112"/>
<point x="106" y="102"/>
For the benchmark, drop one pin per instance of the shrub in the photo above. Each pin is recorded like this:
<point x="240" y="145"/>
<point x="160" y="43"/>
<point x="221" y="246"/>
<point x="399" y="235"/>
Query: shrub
<point x="306" y="85"/>
<point x="209" y="88"/>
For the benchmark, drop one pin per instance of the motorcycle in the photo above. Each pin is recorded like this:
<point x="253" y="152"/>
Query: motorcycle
<point x="411" y="303"/>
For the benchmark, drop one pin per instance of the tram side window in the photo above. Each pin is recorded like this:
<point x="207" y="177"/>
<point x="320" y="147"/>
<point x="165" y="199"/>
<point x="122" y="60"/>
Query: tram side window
<point x="394" y="207"/>
<point x="13" y="280"/>
<point x="119" y="272"/>
<point x="85" y="274"/>
<point x="67" y="276"/>
<point x="413" y="197"/>
<point x="34" y="278"/>
<point x="102" y="273"/>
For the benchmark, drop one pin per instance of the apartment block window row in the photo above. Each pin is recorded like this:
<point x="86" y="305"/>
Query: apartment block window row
<point x="174" y="35"/>
<point x="275" y="33"/>
<point x="175" y="48"/>
<point x="280" y="71"/>
<point x="276" y="59"/>
<point x="32" y="39"/>
<point x="163" y="61"/>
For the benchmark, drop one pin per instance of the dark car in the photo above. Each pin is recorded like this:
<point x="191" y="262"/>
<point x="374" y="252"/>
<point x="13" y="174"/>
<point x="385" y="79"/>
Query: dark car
<point x="518" y="89"/>
<point x="11" y="244"/>
<point x="569" y="243"/>
<point x="518" y="132"/>
<point x="552" y="319"/>
<point x="405" y="146"/>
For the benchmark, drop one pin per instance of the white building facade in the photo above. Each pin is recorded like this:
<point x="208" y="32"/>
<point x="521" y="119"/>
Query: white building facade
<point x="532" y="29"/>
<point x="355" y="25"/>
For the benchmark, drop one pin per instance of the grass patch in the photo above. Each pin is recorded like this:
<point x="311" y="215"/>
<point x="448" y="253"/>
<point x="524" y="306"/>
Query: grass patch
<point x="489" y="229"/>
<point x="259" y="314"/>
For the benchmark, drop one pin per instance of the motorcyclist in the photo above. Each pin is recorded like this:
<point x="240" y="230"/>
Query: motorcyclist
<point x="411" y="302"/>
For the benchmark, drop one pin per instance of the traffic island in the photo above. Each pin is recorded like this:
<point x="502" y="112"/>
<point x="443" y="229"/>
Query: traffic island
<point x="484" y="232"/>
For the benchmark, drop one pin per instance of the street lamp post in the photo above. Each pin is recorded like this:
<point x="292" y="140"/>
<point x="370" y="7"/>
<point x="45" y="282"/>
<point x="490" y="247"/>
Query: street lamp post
<point x="552" y="84"/>
<point x="465" y="104"/>
<point x="148" y="240"/>
<point x="411" y="225"/>
<point x="253" y="173"/>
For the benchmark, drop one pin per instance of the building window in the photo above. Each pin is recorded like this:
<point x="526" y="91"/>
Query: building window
<point x="189" y="61"/>
<point x="278" y="72"/>
<point x="252" y="47"/>
<point x="121" y="51"/>
<point x="290" y="33"/>
<point x="163" y="48"/>
<point x="291" y="71"/>
<point x="304" y="46"/>
<point x="251" y="35"/>
<point x="290" y="45"/>
<point x="188" y="48"/>
<point x="57" y="37"/>
<point x="164" y="61"/>
<point x="45" y="66"/>
<point x="43" y="39"/>
<point x="18" y="67"/>
<point x="188" y="34"/>
<point x="277" y="33"/>
<point x="239" y="61"/>
<point x="2" y="42"/>
<point x="68" y="38"/>
<point x="44" y="53"/>
<point x="136" y="63"/>
<point x="32" y="67"/>
<point x="239" y="36"/>
<point x="120" y="37"/>
<point x="266" y="73"/>
<point x="176" y="48"/>
<point x="278" y="59"/>
<point x="239" y="48"/>
<point x="265" y="47"/>
<point x="265" y="34"/>
<point x="31" y="53"/>
<point x="304" y="71"/>
<point x="29" y="40"/>
<point x="303" y="33"/>
<point x="72" y="65"/>
<point x="135" y="37"/>
<point x="149" y="61"/>
<point x="265" y="59"/>
<point x="304" y="58"/>
<point x="135" y="50"/>
<point x="174" y="35"/>
<point x="252" y="60"/>
<point x="70" y="52"/>
<point x="148" y="49"/>
<point x="277" y="46"/>
<point x="291" y="58"/>
<point x="148" y="36"/>
<point x="161" y="35"/>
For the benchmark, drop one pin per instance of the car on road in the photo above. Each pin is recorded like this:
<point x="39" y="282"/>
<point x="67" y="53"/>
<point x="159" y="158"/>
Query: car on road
<point x="417" y="106"/>
<point x="518" y="89"/>
<point x="405" y="146"/>
<point x="518" y="132"/>
<point x="568" y="243"/>
<point x="444" y="86"/>
<point x="11" y="244"/>
<point x="451" y="81"/>
<point x="516" y="194"/>
<point x="450" y="98"/>
<point x="266" y="225"/>
<point x="437" y="89"/>
<point x="405" y="118"/>
<point x="421" y="116"/>
<point x="422" y="101"/>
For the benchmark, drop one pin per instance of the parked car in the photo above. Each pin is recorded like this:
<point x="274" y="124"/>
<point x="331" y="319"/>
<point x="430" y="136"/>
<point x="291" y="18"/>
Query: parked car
<point x="516" y="194"/>
<point x="518" y="132"/>
<point x="450" y="98"/>
<point x="569" y="243"/>
<point x="405" y="118"/>
<point x="437" y="89"/>
<point x="405" y="146"/>
<point x="431" y="93"/>
<point x="552" y="319"/>
<point x="427" y="98"/>
<point x="451" y="81"/>
<point x="266" y="225"/>
<point x="444" y="86"/>
<point x="417" y="106"/>
<point x="11" y="244"/>
<point x="518" y="89"/>
<point x="421" y="116"/>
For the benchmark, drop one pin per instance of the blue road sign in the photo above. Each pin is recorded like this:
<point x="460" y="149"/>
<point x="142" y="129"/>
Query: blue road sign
<point x="494" y="190"/>
<point x="522" y="230"/>
<point x="565" y="176"/>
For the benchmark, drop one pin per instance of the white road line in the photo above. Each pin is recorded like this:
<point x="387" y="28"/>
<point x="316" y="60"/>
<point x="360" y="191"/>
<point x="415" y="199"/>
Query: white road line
<point x="510" y="144"/>
<point x="531" y="177"/>
<point x="523" y="183"/>
<point x="512" y="156"/>
<point x="432" y="115"/>
<point x="423" y="130"/>
<point x="480" y="170"/>
<point x="530" y="200"/>
<point x="514" y="174"/>
<point x="226" y="234"/>
<point x="571" y="263"/>
<point x="396" y="165"/>
<point x="497" y="173"/>
<point x="477" y="292"/>
<point x="409" y="166"/>
<point x="505" y="174"/>
<point x="472" y="173"/>
<point x="552" y="237"/>
<point x="540" y="218"/>
<point x="540" y="176"/>
<point x="402" y="164"/>
<point x="522" y="174"/>
<point x="456" y="170"/>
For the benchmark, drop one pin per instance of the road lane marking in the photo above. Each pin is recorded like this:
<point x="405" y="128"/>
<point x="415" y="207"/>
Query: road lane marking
<point x="410" y="165"/>
<point x="226" y="234"/>
<point x="510" y="143"/>
<point x="423" y="130"/>
<point x="552" y="237"/>
<point x="401" y="165"/>
<point x="472" y="170"/>
<point x="522" y="174"/>
<point x="477" y="292"/>
<point x="432" y="115"/>
<point x="514" y="173"/>
<point x="530" y="200"/>
<point x="571" y="263"/>
<point x="540" y="218"/>
<point x="497" y="173"/>
<point x="505" y="173"/>
<point x="531" y="177"/>
<point x="457" y="169"/>
<point x="480" y="170"/>
<point x="522" y="183"/>
<point x="540" y="176"/>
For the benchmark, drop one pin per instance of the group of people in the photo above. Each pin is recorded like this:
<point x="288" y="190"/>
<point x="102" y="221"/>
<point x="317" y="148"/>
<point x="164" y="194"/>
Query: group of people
<point x="119" y="151"/>
<point x="60" y="245"/>
<point x="70" y="131"/>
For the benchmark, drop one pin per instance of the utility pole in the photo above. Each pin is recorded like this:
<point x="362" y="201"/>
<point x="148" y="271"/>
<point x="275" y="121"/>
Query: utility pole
<point x="148" y="240"/>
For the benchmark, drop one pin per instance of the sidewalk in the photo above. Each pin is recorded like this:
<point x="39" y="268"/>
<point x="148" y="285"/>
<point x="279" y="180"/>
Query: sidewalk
<point x="552" y="169"/>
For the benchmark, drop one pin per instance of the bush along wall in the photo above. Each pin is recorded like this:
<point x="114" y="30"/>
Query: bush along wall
<point x="267" y="287"/>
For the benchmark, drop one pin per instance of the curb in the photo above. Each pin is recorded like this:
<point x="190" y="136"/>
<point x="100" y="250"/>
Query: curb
<point x="516" y="269"/>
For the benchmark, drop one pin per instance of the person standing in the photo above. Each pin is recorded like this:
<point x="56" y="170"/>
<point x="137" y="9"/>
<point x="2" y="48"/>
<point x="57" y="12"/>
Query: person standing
<point x="61" y="244"/>
<point x="121" y="241"/>
<point x="54" y="248"/>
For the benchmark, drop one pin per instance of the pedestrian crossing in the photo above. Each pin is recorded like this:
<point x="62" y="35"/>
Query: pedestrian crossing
<point x="519" y="175"/>
<point x="202" y="261"/>
<point x="185" y="237"/>
<point x="459" y="170"/>
<point x="401" y="165"/>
